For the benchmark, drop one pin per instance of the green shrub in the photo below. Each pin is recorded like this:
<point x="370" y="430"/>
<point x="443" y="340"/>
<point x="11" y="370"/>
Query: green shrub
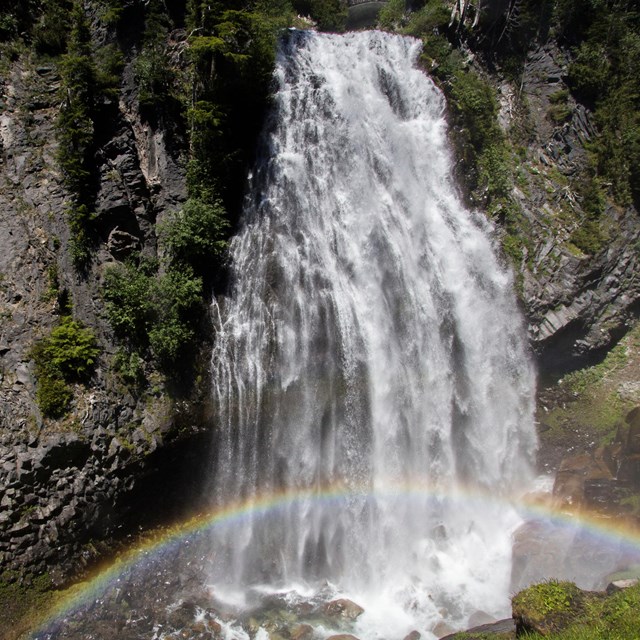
<point x="148" y="311"/>
<point x="589" y="72"/>
<point x="177" y="301"/>
<point x="588" y="237"/>
<point x="67" y="354"/>
<point x="196" y="234"/>
<point x="130" y="366"/>
<point x="560" y="113"/>
<point x="494" y="170"/>
<point x="433" y="17"/>
<point x="110" y="64"/>
<point x="127" y="292"/>
<point x="154" y="76"/>
<point x="392" y="15"/>
<point x="8" y="26"/>
<point x="51" y="30"/>
<point x="53" y="396"/>
<point x="232" y="59"/>
<point x="70" y="351"/>
<point x="604" y="75"/>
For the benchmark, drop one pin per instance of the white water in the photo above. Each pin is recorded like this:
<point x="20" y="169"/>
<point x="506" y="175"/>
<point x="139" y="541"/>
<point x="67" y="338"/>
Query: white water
<point x="370" y="341"/>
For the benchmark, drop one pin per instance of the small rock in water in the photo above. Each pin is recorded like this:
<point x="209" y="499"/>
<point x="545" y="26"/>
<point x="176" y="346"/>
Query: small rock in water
<point x="344" y="608"/>
<point x="343" y="636"/>
<point x="413" y="635"/>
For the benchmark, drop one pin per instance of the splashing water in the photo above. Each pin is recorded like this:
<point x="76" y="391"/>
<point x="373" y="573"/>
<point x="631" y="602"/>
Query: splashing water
<point x="371" y="338"/>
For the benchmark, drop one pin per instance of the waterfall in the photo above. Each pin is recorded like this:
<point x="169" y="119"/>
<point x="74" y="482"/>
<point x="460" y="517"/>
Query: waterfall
<point x="370" y="365"/>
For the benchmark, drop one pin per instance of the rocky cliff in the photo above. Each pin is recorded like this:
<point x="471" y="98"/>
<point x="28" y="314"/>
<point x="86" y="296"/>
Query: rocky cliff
<point x="119" y="453"/>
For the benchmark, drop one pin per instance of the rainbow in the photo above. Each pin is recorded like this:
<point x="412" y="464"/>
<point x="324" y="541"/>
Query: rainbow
<point x="607" y="531"/>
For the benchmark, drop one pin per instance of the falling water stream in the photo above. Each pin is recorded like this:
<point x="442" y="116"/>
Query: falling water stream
<point x="371" y="341"/>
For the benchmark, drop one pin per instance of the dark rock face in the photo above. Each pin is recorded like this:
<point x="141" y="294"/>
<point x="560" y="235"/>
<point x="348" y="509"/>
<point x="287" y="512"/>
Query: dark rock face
<point x="577" y="305"/>
<point x="600" y="480"/>
<point x="67" y="484"/>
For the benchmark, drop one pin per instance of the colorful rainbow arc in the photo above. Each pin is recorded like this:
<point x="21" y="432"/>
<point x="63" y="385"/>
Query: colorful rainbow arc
<point x="606" y="529"/>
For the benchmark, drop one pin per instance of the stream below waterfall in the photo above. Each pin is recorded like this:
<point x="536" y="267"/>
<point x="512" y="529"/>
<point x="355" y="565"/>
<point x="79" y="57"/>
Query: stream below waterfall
<point x="374" y="395"/>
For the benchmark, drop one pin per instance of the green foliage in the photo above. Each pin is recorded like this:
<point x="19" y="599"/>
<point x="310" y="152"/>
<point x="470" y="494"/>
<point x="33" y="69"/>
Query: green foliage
<point x="597" y="616"/>
<point x="129" y="305"/>
<point x="547" y="606"/>
<point x="330" y="15"/>
<point x="495" y="170"/>
<point x="22" y="601"/>
<point x="111" y="12"/>
<point x="53" y="396"/>
<point x="8" y="25"/>
<point x="432" y="18"/>
<point x="177" y="301"/>
<point x="109" y="67"/>
<point x="130" y="366"/>
<point x="588" y="236"/>
<point x="392" y="15"/>
<point x="480" y="141"/>
<point x="154" y="76"/>
<point x="70" y="351"/>
<point x="232" y="55"/>
<point x="151" y="312"/>
<point x="590" y="70"/>
<point x="604" y="75"/>
<point x="51" y="30"/>
<point x="67" y="354"/>
<point x="196" y="234"/>
<point x="583" y="380"/>
<point x="559" y="111"/>
<point x="75" y="131"/>
<point x="547" y="597"/>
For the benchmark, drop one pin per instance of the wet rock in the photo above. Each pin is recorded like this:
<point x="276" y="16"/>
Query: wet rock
<point x="633" y="435"/>
<point x="502" y="630"/>
<point x="343" y="608"/>
<point x="301" y="632"/>
<point x="575" y="474"/>
<point x="343" y="636"/>
<point x="480" y="618"/>
<point x="443" y="630"/>
<point x="620" y="585"/>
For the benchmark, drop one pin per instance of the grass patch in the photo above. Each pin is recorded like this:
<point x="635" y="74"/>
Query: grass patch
<point x="566" y="613"/>
<point x="591" y="401"/>
<point x="22" y="603"/>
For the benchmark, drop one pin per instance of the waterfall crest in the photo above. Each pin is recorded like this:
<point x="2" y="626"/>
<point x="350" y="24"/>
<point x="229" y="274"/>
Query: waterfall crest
<point x="370" y="347"/>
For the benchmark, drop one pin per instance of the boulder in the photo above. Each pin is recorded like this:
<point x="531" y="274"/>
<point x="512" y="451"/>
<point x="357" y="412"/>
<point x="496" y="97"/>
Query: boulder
<point x="343" y="608"/>
<point x="301" y="632"/>
<point x="619" y="585"/>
